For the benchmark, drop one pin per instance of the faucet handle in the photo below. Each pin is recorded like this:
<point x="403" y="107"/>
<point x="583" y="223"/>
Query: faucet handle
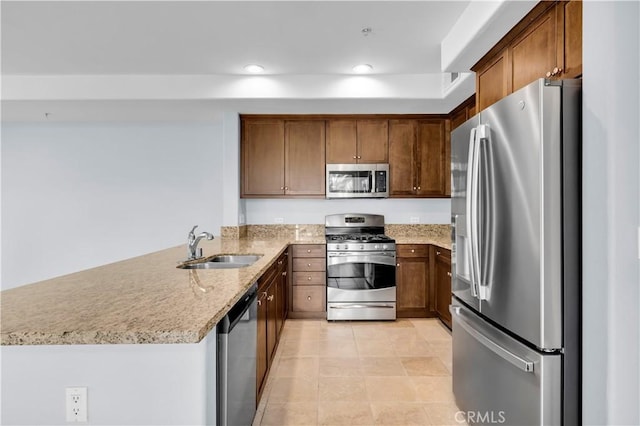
<point x="193" y="229"/>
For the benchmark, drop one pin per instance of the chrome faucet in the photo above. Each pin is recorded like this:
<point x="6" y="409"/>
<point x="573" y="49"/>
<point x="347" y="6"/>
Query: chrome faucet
<point x="193" y="243"/>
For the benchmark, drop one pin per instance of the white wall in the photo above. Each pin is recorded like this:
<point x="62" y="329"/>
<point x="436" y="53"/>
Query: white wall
<point x="611" y="191"/>
<point x="308" y="211"/>
<point x="78" y="195"/>
<point x="126" y="384"/>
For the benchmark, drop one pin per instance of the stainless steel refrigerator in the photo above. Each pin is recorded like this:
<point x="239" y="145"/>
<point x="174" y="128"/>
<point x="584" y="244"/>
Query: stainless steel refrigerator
<point x="515" y="204"/>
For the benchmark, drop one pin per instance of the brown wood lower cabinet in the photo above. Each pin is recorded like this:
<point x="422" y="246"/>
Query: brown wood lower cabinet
<point x="308" y="281"/>
<point x="412" y="281"/>
<point x="272" y="312"/>
<point x="442" y="279"/>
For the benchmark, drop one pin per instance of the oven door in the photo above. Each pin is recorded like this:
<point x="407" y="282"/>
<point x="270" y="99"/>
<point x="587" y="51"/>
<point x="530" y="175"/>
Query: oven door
<point x="361" y="277"/>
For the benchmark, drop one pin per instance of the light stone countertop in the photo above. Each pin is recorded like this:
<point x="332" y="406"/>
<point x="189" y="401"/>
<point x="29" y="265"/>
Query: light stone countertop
<point x="145" y="299"/>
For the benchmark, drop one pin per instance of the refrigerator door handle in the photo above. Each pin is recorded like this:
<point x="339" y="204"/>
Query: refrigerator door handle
<point x="472" y="210"/>
<point x="519" y="362"/>
<point x="485" y="247"/>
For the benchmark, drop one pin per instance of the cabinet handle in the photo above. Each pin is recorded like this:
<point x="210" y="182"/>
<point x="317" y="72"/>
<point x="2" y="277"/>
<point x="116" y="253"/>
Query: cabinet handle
<point x="413" y="251"/>
<point x="438" y="252"/>
<point x="286" y="188"/>
<point x="354" y="157"/>
<point x="548" y="74"/>
<point x="359" y="157"/>
<point x="270" y="298"/>
<point x="309" y="278"/>
<point x="397" y="264"/>
<point x="308" y="264"/>
<point x="414" y="188"/>
<point x="449" y="273"/>
<point x="284" y="274"/>
<point x="418" y="188"/>
<point x="282" y="188"/>
<point x="308" y="297"/>
<point x="280" y="262"/>
<point x="308" y="250"/>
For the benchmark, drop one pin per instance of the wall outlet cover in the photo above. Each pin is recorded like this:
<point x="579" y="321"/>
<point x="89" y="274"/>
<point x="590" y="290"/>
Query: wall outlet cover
<point x="76" y="404"/>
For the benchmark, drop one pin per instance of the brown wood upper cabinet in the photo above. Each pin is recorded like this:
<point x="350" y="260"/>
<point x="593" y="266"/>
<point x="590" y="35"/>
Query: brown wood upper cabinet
<point x="463" y="112"/>
<point x="352" y="141"/>
<point x="547" y="43"/>
<point x="282" y="158"/>
<point x="418" y="163"/>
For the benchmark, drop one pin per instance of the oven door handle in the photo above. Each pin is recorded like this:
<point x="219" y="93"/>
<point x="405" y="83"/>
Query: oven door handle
<point x="375" y="258"/>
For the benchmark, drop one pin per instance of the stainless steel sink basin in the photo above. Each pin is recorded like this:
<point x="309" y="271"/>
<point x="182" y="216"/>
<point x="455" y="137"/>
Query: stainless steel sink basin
<point x="236" y="258"/>
<point x="223" y="261"/>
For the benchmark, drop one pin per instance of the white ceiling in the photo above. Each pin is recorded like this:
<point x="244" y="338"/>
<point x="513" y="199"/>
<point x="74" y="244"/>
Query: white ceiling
<point x="220" y="37"/>
<point x="88" y="60"/>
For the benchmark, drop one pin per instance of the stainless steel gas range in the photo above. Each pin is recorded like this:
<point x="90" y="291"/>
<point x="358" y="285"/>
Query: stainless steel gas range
<point x="361" y="268"/>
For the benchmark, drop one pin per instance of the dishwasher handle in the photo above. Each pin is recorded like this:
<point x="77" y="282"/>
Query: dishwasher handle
<point x="238" y="311"/>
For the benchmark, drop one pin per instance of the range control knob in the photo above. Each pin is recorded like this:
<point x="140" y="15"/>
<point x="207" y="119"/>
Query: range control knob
<point x="361" y="247"/>
<point x="376" y="247"/>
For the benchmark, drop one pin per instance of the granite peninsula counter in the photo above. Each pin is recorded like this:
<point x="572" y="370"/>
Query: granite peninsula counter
<point x="145" y="299"/>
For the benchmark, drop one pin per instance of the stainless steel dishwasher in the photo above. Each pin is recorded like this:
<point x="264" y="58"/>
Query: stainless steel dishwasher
<point x="236" y="367"/>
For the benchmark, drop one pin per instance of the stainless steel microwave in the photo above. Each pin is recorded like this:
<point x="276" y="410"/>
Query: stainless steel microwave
<point x="357" y="181"/>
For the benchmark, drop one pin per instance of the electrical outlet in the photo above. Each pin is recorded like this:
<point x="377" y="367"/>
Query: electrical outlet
<point x="76" y="404"/>
<point x="278" y="220"/>
<point x="414" y="219"/>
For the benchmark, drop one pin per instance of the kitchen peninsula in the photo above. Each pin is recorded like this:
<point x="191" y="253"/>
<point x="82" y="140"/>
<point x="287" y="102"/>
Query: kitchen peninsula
<point x="139" y="334"/>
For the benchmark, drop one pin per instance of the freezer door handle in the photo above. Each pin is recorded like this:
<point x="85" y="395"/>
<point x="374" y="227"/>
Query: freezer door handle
<point x="519" y="362"/>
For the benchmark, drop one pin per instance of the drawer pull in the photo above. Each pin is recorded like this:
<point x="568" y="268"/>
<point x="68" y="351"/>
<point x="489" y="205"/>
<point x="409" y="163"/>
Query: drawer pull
<point x="308" y="297"/>
<point x="309" y="265"/>
<point x="309" y="278"/>
<point x="308" y="250"/>
<point x="413" y="251"/>
<point x="449" y="273"/>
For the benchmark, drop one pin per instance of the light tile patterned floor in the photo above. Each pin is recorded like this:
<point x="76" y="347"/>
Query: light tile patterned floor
<point x="360" y="373"/>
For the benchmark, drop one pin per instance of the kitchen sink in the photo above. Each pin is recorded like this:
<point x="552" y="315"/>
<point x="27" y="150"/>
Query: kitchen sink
<point x="223" y="261"/>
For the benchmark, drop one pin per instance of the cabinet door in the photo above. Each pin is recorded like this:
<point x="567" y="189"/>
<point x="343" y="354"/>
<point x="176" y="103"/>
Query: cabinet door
<point x="262" y="157"/>
<point x="412" y="281"/>
<point x="261" y="353"/>
<point x="535" y="52"/>
<point x="373" y="141"/>
<point x="402" y="158"/>
<point x="443" y="285"/>
<point x="304" y="157"/>
<point x="493" y="81"/>
<point x="571" y="20"/>
<point x="432" y="177"/>
<point x="272" y="319"/>
<point x="281" y="294"/>
<point x="341" y="142"/>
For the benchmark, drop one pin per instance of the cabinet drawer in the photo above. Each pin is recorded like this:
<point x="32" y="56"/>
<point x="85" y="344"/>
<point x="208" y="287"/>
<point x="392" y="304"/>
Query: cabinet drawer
<point x="309" y="250"/>
<point x="309" y="278"/>
<point x="412" y="250"/>
<point x="309" y="264"/>
<point x="309" y="298"/>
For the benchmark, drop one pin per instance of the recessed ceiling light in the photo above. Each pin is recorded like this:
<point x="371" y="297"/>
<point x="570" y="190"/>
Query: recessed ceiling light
<point x="362" y="68"/>
<point x="254" y="68"/>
